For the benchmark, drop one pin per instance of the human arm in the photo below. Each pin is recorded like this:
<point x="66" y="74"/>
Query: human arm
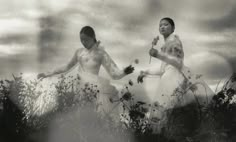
<point x="165" y="58"/>
<point x="173" y="52"/>
<point x="62" y="69"/>
<point x="149" y="72"/>
<point x="112" y="69"/>
<point x="152" y="72"/>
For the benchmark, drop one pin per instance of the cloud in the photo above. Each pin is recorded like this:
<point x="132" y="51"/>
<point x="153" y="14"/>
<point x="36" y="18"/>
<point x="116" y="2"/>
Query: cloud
<point x="232" y="61"/>
<point x="50" y="37"/>
<point x="212" y="66"/>
<point x="227" y="22"/>
<point x="211" y="16"/>
<point x="125" y="29"/>
<point x="19" y="63"/>
<point x="17" y="38"/>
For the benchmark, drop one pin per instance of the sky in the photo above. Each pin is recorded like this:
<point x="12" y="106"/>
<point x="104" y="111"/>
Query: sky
<point x="39" y="36"/>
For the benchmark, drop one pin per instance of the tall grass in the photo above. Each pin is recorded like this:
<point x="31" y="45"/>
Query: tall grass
<point x="73" y="107"/>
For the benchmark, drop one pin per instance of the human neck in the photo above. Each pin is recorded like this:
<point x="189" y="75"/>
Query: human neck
<point x="95" y="45"/>
<point x="167" y="36"/>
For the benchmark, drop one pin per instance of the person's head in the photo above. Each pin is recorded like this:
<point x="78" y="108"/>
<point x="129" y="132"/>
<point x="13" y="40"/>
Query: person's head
<point x="87" y="37"/>
<point x="166" y="26"/>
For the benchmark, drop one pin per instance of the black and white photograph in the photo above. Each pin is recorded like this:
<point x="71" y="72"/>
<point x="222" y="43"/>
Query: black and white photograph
<point x="117" y="71"/>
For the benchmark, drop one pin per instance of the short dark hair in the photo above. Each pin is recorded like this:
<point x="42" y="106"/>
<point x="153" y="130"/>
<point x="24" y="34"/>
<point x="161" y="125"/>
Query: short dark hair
<point x="87" y="30"/>
<point x="171" y="21"/>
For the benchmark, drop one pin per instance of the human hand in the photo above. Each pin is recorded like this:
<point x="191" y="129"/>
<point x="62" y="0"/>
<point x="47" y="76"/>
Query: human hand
<point x="41" y="76"/>
<point x="140" y="77"/>
<point x="153" y="52"/>
<point x="155" y="40"/>
<point x="129" y="69"/>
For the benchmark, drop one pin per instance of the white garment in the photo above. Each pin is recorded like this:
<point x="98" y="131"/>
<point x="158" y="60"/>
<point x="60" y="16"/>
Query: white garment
<point x="177" y="80"/>
<point x="107" y="92"/>
<point x="178" y="88"/>
<point x="169" y="81"/>
<point x="45" y="99"/>
<point x="178" y="85"/>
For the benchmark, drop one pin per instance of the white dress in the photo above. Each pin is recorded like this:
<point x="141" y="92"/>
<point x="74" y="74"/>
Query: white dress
<point x="178" y="85"/>
<point x="107" y="92"/>
<point x="44" y="98"/>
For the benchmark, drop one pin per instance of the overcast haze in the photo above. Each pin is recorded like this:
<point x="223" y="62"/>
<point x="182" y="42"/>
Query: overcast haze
<point x="38" y="36"/>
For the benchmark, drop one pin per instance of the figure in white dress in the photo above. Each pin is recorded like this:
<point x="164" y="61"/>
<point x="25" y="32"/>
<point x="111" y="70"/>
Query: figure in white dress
<point x="90" y="59"/>
<point x="178" y="84"/>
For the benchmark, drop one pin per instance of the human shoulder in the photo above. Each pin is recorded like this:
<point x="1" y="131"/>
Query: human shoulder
<point x="174" y="38"/>
<point x="174" y="41"/>
<point x="102" y="53"/>
<point x="101" y="50"/>
<point x="79" y="50"/>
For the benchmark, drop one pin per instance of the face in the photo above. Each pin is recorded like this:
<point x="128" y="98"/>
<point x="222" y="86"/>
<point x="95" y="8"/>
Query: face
<point x="165" y="28"/>
<point x="87" y="41"/>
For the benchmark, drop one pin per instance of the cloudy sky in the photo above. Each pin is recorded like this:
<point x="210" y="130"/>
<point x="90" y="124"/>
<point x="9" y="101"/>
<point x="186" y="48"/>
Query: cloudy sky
<point x="38" y="36"/>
